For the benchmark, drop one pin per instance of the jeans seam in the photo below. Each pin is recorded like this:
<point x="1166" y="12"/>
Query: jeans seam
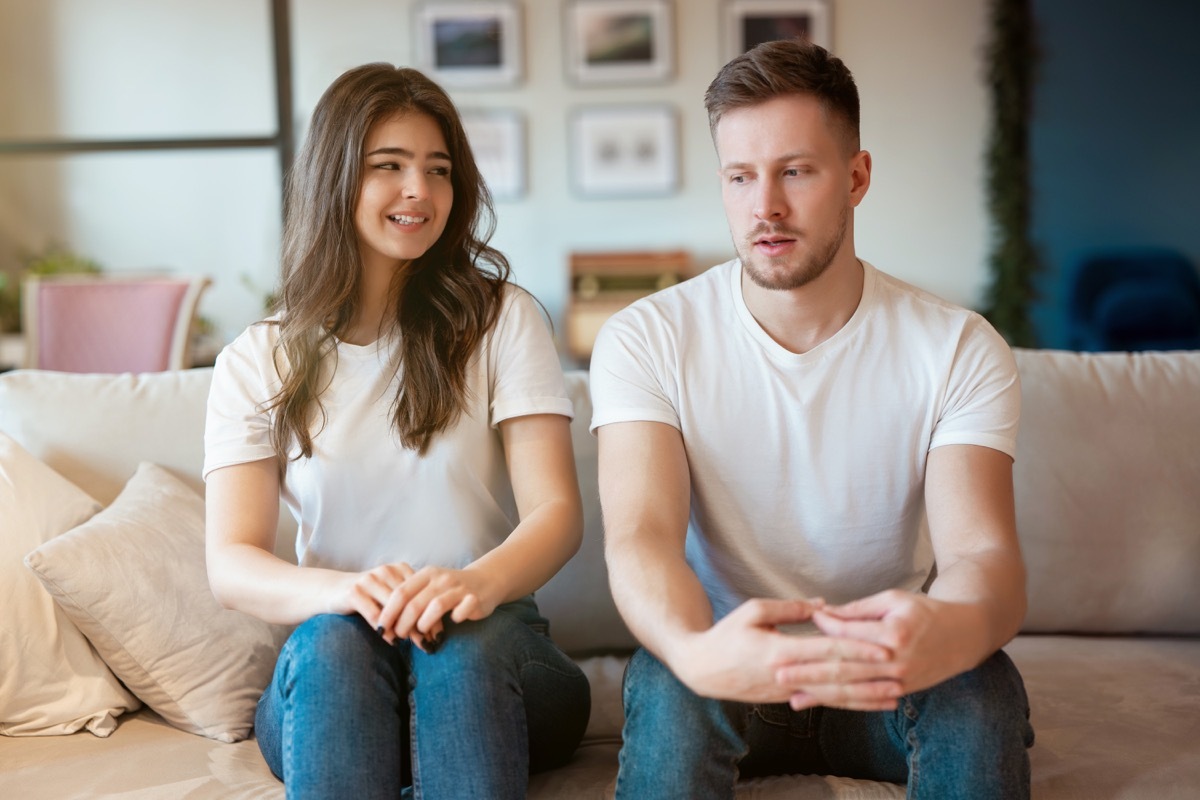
<point x="914" y="749"/>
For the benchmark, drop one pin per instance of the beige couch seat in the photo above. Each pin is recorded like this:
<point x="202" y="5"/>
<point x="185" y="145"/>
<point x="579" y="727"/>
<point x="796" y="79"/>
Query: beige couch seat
<point x="1108" y="495"/>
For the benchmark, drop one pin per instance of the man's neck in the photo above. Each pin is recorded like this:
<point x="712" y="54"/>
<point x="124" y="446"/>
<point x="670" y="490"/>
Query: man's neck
<point x="800" y="319"/>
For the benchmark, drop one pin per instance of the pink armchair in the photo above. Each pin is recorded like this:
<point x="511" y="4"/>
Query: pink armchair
<point x="87" y="323"/>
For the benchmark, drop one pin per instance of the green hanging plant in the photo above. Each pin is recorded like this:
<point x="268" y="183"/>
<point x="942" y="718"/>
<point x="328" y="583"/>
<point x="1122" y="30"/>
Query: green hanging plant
<point x="1013" y="260"/>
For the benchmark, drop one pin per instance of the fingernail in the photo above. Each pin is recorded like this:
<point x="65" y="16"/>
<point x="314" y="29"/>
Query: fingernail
<point x="439" y="636"/>
<point x="432" y="645"/>
<point x="379" y="630"/>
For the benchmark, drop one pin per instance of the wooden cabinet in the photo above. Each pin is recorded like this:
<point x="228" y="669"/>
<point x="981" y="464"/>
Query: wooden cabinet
<point x="603" y="283"/>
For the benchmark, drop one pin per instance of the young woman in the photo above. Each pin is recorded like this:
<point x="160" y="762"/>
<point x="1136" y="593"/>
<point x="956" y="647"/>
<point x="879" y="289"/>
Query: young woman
<point x="408" y="405"/>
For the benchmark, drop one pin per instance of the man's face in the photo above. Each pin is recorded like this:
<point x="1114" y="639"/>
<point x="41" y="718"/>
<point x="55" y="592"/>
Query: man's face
<point x="788" y="185"/>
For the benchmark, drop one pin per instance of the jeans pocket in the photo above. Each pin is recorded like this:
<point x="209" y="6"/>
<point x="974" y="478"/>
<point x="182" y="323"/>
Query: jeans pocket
<point x="781" y="717"/>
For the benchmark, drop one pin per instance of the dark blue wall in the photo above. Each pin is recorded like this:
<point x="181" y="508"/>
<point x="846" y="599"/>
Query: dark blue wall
<point x="1115" y="137"/>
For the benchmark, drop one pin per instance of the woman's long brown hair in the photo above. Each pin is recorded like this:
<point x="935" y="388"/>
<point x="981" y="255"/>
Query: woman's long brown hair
<point x="446" y="300"/>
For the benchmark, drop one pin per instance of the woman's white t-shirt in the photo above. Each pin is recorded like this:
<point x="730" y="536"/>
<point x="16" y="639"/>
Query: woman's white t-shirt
<point x="363" y="499"/>
<point x="807" y="470"/>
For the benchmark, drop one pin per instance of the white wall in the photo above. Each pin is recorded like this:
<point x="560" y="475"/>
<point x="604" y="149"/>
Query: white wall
<point x="918" y="66"/>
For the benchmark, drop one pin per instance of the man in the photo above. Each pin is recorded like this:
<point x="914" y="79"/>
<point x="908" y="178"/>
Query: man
<point x="789" y="444"/>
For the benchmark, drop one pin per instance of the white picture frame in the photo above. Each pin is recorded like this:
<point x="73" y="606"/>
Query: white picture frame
<point x="469" y="43"/>
<point x="498" y="141"/>
<point x="624" y="150"/>
<point x="611" y="42"/>
<point x="751" y="22"/>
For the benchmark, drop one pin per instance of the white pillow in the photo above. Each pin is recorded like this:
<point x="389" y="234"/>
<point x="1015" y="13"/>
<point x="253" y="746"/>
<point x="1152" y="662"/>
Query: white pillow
<point x="51" y="680"/>
<point x="133" y="579"/>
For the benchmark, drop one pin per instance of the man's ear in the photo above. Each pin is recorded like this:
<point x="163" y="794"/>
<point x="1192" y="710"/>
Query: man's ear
<point x="860" y="176"/>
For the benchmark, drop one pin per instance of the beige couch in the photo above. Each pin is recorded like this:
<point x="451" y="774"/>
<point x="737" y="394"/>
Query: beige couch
<point x="1108" y="494"/>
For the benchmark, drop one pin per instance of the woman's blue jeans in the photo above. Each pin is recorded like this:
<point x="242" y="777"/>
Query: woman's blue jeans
<point x="349" y="716"/>
<point x="963" y="739"/>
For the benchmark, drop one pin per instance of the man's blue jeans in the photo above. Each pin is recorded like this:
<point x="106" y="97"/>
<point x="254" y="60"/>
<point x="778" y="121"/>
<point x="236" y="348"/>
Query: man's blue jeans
<point x="349" y="716"/>
<point x="964" y="738"/>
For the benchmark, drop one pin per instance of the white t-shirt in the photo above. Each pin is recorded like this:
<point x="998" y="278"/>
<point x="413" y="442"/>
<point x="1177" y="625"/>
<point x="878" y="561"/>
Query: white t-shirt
<point x="807" y="470"/>
<point x="363" y="499"/>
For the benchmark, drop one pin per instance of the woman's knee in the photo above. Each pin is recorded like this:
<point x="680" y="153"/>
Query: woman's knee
<point x="329" y="642"/>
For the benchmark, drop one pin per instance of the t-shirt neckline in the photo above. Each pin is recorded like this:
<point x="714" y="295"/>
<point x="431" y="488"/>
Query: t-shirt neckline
<point x="825" y="348"/>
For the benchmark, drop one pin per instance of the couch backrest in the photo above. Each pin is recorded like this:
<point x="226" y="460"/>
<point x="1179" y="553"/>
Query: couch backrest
<point x="1107" y="481"/>
<point x="95" y="429"/>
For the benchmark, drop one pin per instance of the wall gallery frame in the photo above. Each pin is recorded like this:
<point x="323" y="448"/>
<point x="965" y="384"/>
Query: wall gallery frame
<point x="624" y="150"/>
<point x="469" y="43"/>
<point x="752" y="22"/>
<point x="619" y="41"/>
<point x="497" y="138"/>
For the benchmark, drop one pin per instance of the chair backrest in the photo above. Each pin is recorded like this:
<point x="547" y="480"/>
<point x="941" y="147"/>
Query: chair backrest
<point x="1135" y="299"/>
<point x="88" y="323"/>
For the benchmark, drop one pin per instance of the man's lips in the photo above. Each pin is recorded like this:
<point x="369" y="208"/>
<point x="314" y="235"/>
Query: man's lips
<point x="774" y="238"/>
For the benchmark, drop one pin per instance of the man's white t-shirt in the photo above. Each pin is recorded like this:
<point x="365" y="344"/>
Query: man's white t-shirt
<point x="807" y="470"/>
<point x="362" y="499"/>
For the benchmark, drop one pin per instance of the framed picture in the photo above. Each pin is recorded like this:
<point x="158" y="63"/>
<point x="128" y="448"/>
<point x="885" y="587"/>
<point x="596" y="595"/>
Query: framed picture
<point x="619" y="41"/>
<point x="497" y="138"/>
<point x="752" y="22"/>
<point x="469" y="43"/>
<point x="625" y="151"/>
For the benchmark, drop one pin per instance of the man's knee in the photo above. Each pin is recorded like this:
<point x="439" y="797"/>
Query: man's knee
<point x="990" y="700"/>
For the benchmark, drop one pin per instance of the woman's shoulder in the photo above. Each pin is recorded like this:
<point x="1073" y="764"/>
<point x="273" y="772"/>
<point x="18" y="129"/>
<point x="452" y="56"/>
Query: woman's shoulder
<point x="255" y="346"/>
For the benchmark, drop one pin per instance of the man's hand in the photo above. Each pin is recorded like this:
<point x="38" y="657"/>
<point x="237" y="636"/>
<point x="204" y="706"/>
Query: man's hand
<point x="930" y="641"/>
<point x="739" y="657"/>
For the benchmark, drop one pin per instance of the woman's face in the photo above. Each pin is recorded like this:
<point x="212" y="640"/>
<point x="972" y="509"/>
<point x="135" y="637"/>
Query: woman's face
<point x="405" y="196"/>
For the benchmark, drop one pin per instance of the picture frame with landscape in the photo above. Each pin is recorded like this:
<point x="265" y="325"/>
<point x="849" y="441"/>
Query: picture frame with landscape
<point x="619" y="41"/>
<point x="469" y="43"/>
<point x="751" y="22"/>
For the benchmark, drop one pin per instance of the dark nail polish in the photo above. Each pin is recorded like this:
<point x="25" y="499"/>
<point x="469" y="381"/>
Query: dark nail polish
<point x="379" y="630"/>
<point x="432" y="645"/>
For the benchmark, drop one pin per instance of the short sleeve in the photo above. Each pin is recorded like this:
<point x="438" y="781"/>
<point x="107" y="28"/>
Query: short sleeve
<point x="626" y="380"/>
<point x="237" y="427"/>
<point x="525" y="374"/>
<point x="983" y="395"/>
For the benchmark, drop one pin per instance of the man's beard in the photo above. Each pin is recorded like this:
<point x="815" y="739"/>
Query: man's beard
<point x="805" y="267"/>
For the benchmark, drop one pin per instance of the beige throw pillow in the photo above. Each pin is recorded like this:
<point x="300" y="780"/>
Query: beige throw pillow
<point x="133" y="579"/>
<point x="51" y="680"/>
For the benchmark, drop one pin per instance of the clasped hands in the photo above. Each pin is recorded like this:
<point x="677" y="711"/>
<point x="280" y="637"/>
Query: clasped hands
<point x="863" y="655"/>
<point x="401" y="602"/>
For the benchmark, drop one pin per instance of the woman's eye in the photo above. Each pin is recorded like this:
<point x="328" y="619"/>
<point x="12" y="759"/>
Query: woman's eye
<point x="440" y="171"/>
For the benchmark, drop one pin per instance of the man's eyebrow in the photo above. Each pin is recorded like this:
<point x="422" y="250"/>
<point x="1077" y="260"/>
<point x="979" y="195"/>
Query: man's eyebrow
<point x="799" y="155"/>
<point x="403" y="153"/>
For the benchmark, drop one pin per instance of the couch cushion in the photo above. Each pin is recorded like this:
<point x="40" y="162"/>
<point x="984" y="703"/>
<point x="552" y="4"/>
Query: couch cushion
<point x="51" y="681"/>
<point x="1107" y="481"/>
<point x="133" y="579"/>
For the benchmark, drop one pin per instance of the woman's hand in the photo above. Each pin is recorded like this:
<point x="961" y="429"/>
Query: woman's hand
<point x="368" y="593"/>
<point x="401" y="602"/>
<point x="417" y="605"/>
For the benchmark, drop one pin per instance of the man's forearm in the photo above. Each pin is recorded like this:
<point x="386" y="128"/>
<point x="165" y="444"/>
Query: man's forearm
<point x="991" y="584"/>
<point x="657" y="593"/>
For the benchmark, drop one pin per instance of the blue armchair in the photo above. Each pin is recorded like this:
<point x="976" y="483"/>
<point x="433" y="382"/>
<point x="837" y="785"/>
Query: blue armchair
<point x="1135" y="300"/>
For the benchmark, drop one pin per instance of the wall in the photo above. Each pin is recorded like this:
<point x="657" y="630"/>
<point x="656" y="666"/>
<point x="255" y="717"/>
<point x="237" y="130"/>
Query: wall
<point x="924" y="117"/>
<point x="1114" y="137"/>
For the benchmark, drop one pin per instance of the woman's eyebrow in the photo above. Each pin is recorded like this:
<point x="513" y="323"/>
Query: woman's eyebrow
<point x="403" y="153"/>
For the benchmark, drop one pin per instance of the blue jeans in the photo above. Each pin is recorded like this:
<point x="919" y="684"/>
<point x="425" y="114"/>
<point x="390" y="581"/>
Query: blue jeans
<point x="349" y="716"/>
<point x="964" y="738"/>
